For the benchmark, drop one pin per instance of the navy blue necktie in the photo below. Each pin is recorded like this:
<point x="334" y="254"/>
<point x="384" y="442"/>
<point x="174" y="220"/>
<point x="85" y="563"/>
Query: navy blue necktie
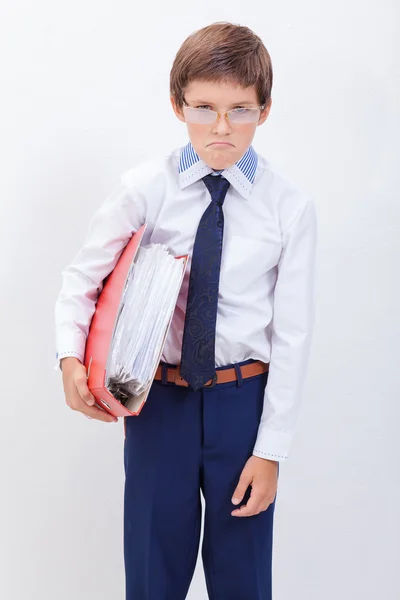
<point x="198" y="345"/>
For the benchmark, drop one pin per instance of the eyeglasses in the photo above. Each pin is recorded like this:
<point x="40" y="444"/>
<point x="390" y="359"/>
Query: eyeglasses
<point x="236" y="116"/>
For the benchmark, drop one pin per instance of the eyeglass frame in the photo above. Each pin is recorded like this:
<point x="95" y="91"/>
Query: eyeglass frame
<point x="225" y="112"/>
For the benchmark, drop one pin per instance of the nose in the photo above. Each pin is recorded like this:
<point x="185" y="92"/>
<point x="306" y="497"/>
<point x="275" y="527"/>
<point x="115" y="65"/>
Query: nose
<point x="221" y="124"/>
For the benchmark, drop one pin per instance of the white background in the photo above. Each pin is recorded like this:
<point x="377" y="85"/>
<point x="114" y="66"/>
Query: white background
<point x="84" y="97"/>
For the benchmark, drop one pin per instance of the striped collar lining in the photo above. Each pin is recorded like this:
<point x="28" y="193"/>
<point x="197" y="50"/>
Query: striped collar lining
<point x="240" y="175"/>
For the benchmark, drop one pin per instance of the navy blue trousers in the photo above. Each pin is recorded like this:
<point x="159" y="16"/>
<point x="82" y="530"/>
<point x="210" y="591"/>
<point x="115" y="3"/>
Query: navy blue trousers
<point x="183" y="443"/>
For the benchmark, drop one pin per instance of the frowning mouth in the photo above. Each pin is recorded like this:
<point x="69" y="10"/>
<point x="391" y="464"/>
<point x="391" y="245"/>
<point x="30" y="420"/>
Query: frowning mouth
<point x="220" y="144"/>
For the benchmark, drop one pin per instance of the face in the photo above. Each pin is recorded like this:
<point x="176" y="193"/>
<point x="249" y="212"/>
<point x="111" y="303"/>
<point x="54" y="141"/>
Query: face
<point x="221" y="144"/>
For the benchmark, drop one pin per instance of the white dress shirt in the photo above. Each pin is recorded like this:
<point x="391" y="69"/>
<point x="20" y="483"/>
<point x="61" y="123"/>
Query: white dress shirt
<point x="267" y="287"/>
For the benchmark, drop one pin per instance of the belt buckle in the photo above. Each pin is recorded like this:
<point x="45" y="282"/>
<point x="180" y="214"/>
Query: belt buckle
<point x="213" y="382"/>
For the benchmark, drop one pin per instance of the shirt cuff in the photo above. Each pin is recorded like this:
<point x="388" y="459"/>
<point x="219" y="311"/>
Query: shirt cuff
<point x="273" y="445"/>
<point x="60" y="355"/>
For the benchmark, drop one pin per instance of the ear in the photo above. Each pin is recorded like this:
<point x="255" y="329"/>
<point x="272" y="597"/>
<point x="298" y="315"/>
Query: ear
<point x="177" y="110"/>
<point x="264" y="113"/>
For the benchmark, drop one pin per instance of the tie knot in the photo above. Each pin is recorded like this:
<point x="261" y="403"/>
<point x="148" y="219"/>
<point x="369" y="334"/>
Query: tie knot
<point x="217" y="186"/>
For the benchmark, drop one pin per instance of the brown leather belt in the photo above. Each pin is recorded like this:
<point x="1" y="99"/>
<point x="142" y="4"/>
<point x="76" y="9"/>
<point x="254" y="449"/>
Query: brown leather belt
<point x="221" y="375"/>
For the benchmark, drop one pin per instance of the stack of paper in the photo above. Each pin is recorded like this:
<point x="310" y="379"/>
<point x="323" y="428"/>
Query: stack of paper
<point x="144" y="314"/>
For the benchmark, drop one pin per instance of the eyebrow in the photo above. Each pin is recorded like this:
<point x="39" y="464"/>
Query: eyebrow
<point x="210" y="103"/>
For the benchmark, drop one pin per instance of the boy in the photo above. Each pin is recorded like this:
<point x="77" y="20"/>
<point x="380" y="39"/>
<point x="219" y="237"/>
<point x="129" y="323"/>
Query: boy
<point x="244" y="316"/>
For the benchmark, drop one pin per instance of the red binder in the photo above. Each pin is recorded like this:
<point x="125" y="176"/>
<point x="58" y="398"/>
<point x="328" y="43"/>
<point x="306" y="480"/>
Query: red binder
<point x="101" y="330"/>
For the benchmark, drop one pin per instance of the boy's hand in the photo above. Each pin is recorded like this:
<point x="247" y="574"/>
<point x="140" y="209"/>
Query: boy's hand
<point x="77" y="394"/>
<point x="262" y="475"/>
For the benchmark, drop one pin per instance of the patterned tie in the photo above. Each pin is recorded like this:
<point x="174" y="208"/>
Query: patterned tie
<point x="198" y="345"/>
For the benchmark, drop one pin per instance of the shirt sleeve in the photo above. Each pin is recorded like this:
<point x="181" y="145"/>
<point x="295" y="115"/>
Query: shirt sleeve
<point x="121" y="214"/>
<point x="291" y="333"/>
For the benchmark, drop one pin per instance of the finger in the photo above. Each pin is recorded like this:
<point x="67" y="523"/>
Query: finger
<point x="75" y="402"/>
<point x="83" y="390"/>
<point x="241" y="488"/>
<point x="95" y="412"/>
<point x="249" y="509"/>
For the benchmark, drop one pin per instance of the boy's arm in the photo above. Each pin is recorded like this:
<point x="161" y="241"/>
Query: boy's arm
<point x="292" y="328"/>
<point x="120" y="215"/>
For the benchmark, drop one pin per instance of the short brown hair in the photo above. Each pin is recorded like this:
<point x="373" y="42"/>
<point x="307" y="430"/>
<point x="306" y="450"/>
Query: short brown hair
<point x="222" y="52"/>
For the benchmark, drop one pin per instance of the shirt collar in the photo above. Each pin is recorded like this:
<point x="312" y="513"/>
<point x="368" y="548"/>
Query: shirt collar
<point x="240" y="175"/>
